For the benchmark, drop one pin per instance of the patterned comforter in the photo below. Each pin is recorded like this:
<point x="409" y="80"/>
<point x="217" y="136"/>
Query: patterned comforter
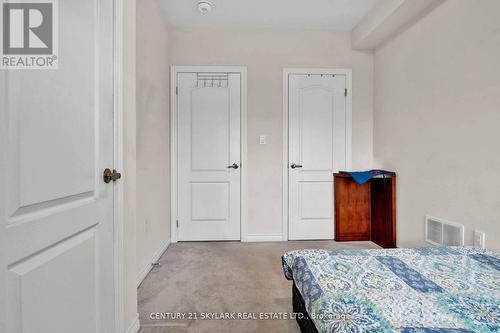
<point x="398" y="290"/>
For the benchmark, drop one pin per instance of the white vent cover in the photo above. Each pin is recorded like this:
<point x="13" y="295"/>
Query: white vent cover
<point x="443" y="233"/>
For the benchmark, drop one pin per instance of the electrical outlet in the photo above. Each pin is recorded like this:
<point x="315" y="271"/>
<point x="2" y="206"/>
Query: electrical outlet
<point x="479" y="239"/>
<point x="262" y="139"/>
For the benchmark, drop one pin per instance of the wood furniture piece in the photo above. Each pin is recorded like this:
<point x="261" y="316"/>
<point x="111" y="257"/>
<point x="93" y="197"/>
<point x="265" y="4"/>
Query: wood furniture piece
<point x="365" y="212"/>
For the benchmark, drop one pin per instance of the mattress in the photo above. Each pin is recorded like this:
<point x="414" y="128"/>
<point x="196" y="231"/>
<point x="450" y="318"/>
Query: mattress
<point x="398" y="290"/>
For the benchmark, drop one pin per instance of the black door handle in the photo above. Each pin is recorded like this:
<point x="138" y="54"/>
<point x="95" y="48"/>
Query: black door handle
<point x="293" y="166"/>
<point x="233" y="166"/>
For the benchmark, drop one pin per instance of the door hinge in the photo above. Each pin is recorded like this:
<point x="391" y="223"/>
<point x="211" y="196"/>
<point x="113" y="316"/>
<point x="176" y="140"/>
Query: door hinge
<point x="177" y="222"/>
<point x="345" y="92"/>
<point x="177" y="90"/>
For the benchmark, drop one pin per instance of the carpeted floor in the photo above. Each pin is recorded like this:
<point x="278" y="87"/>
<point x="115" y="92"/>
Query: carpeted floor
<point x="223" y="277"/>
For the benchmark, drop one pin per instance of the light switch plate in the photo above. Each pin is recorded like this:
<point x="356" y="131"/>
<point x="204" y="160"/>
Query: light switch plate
<point x="262" y="140"/>
<point x="479" y="239"/>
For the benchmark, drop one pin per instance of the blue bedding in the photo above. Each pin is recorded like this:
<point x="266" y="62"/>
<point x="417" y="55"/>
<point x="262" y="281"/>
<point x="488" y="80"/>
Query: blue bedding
<point x="398" y="290"/>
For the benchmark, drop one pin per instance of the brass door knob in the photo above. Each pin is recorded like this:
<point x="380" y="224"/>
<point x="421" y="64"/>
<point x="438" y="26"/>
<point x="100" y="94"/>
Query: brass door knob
<point x="109" y="175"/>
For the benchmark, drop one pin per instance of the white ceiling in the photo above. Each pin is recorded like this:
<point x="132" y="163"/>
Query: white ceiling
<point x="339" y="15"/>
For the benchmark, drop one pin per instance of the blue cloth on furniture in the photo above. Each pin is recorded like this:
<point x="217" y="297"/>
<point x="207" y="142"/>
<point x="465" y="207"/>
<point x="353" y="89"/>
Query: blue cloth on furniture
<point x="362" y="177"/>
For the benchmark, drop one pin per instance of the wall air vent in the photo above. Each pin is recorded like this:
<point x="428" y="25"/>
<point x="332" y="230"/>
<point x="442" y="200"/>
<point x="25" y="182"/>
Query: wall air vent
<point x="440" y="232"/>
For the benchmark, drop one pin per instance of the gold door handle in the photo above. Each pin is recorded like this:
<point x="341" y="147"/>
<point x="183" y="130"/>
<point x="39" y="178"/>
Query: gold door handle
<point x="109" y="175"/>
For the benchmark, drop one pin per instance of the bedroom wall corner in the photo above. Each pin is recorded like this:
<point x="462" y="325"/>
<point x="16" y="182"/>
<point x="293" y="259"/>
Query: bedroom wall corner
<point x="153" y="136"/>
<point x="436" y="120"/>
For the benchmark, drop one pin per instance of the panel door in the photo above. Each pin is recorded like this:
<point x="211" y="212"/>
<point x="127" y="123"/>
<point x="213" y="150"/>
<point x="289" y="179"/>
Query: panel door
<point x="208" y="111"/>
<point x="56" y="212"/>
<point x="317" y="148"/>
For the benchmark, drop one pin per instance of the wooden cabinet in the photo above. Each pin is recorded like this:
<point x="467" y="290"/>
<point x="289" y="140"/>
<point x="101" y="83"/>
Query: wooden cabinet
<point x="365" y="212"/>
<point x="352" y="209"/>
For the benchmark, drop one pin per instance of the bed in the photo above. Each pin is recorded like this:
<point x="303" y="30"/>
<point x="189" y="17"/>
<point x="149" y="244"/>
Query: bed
<point x="432" y="290"/>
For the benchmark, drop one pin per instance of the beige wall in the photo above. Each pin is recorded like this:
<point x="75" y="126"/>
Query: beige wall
<point x="266" y="53"/>
<point x="153" y="135"/>
<point x="437" y="117"/>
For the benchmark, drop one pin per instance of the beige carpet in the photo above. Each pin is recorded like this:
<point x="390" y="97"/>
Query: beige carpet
<point x="218" y="277"/>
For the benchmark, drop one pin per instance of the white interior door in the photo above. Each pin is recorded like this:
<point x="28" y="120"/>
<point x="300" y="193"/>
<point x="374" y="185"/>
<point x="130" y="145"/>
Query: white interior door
<point x="317" y="148"/>
<point x="208" y="132"/>
<point x="56" y="212"/>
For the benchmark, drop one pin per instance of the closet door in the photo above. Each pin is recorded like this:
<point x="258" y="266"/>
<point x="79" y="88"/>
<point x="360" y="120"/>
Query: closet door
<point x="208" y="129"/>
<point x="317" y="148"/>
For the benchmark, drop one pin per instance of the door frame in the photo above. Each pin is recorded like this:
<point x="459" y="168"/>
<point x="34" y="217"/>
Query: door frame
<point x="118" y="161"/>
<point x="174" y="70"/>
<point x="284" y="162"/>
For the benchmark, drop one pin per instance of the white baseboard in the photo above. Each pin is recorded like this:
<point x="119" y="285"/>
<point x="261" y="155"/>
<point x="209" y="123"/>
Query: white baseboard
<point x="134" y="326"/>
<point x="264" y="238"/>
<point x="156" y="256"/>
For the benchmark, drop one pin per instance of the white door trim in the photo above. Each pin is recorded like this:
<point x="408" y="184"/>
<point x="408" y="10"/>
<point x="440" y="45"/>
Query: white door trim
<point x="4" y="120"/>
<point x="119" y="207"/>
<point x="174" y="69"/>
<point x="284" y="163"/>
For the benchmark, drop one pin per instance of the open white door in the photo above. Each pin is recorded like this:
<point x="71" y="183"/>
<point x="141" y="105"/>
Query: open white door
<point x="316" y="148"/>
<point x="209" y="156"/>
<point x="57" y="267"/>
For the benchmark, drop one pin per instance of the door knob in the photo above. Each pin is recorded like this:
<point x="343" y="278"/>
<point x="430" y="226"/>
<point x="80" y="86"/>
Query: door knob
<point x="293" y="166"/>
<point x="109" y="175"/>
<point x="233" y="166"/>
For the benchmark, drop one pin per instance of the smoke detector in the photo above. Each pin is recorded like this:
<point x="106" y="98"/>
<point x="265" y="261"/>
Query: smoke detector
<point x="204" y="7"/>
